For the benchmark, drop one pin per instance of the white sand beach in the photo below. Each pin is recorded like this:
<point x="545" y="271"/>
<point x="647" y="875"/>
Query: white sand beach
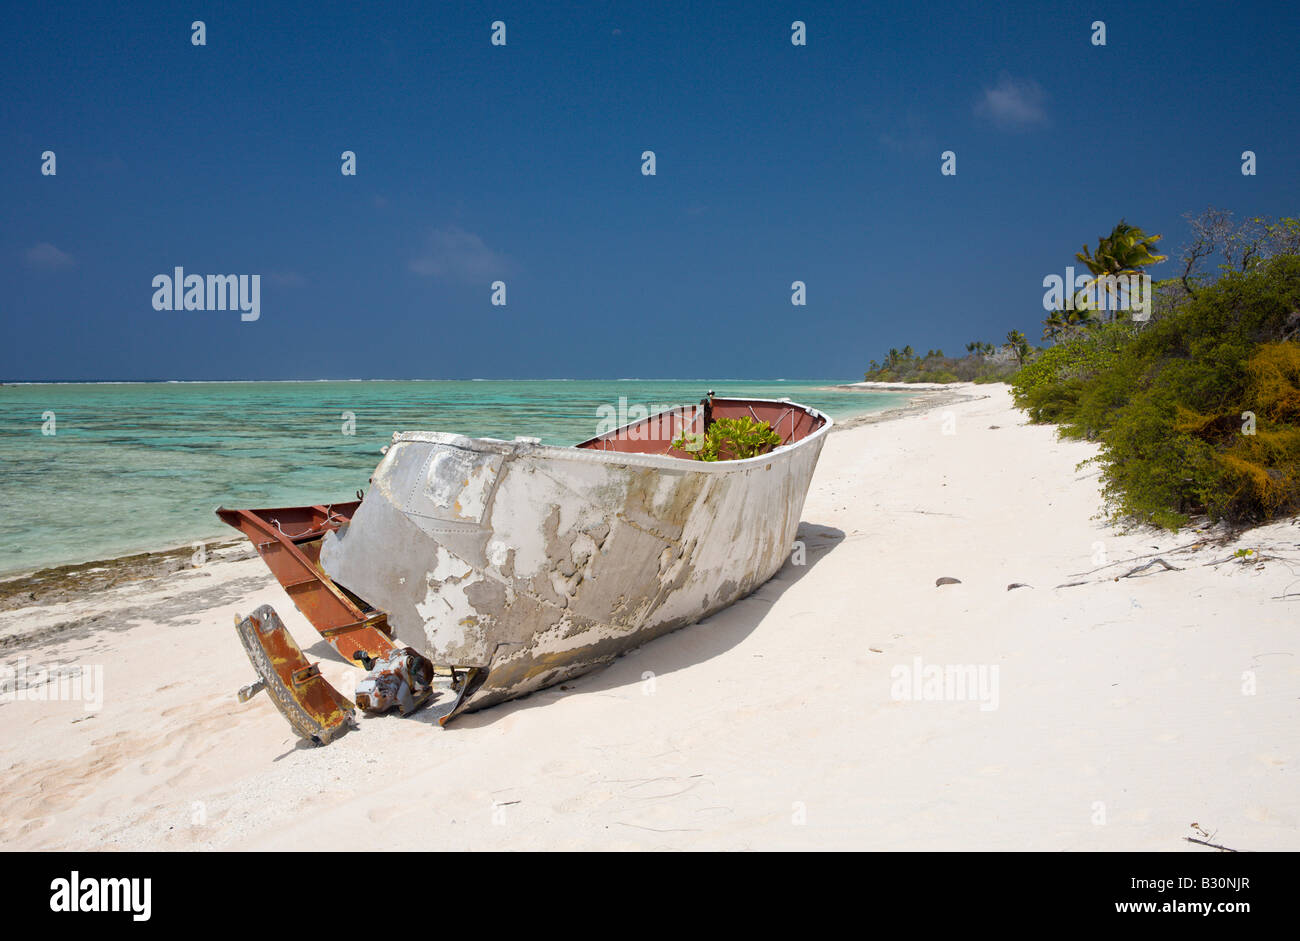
<point x="1120" y="713"/>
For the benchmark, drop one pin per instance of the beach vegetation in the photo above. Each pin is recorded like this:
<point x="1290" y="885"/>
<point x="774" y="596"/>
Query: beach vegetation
<point x="1127" y="250"/>
<point x="732" y="439"/>
<point x="983" y="362"/>
<point x="1018" y="346"/>
<point x="1196" y="404"/>
<point x="1198" y="410"/>
<point x="1116" y="282"/>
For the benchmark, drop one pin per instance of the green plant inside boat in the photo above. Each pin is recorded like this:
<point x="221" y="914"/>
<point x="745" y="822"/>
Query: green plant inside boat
<point x="730" y="439"/>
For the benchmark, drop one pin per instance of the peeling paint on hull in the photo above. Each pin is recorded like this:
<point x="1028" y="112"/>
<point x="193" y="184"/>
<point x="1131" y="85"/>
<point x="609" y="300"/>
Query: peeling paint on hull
<point x="536" y="563"/>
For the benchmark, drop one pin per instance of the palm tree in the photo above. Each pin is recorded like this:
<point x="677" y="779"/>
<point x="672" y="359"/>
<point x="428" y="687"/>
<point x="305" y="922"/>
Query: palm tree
<point x="1064" y="323"/>
<point x="1127" y="250"/>
<point x="1056" y="325"/>
<point x="1019" y="346"/>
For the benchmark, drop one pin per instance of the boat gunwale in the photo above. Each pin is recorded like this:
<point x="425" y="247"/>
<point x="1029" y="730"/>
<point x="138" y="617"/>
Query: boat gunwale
<point x="628" y="458"/>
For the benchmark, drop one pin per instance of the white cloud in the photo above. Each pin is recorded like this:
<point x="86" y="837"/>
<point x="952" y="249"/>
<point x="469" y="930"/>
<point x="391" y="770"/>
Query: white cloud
<point x="1013" y="103"/>
<point x="45" y="257"/>
<point x="454" y="254"/>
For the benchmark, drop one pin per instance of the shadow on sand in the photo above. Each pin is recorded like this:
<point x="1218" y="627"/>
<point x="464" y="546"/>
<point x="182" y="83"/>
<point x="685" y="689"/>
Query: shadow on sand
<point x="684" y="647"/>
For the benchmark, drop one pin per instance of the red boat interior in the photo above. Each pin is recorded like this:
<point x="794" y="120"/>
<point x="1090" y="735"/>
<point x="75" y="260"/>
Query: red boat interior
<point x="656" y="434"/>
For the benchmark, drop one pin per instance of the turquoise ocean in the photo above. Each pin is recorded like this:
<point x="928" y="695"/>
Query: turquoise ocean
<point x="141" y="466"/>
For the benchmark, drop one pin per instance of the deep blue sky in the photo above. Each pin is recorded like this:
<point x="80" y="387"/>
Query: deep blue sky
<point x="775" y="163"/>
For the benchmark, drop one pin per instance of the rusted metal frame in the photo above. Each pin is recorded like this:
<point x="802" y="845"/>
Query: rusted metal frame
<point x="310" y="535"/>
<point x="291" y="548"/>
<point x="318" y="530"/>
<point x="327" y="511"/>
<point x="313" y="708"/>
<point x="378" y="621"/>
<point x="358" y="632"/>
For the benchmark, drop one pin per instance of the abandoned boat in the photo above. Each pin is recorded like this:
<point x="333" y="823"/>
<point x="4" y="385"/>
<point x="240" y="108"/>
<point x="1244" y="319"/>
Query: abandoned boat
<point x="516" y="565"/>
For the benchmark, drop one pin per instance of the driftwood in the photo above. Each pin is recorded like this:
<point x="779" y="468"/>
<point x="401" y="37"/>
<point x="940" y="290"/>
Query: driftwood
<point x="1142" y="568"/>
<point x="1190" y="546"/>
<point x="1255" y="556"/>
<point x="1288" y="593"/>
<point x="1226" y="849"/>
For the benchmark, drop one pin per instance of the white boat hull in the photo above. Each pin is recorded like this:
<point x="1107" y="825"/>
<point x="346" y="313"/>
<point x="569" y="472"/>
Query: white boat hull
<point x="534" y="563"/>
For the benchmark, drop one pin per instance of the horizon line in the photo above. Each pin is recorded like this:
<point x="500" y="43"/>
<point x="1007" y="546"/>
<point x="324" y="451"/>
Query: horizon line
<point x="128" y="382"/>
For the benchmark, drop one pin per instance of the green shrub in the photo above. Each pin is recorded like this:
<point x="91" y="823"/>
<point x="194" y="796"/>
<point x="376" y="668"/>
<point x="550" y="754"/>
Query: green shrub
<point x="941" y="375"/>
<point x="936" y="367"/>
<point x="1166" y="402"/>
<point x="1256" y="476"/>
<point x="729" y="439"/>
<point x="1050" y="386"/>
